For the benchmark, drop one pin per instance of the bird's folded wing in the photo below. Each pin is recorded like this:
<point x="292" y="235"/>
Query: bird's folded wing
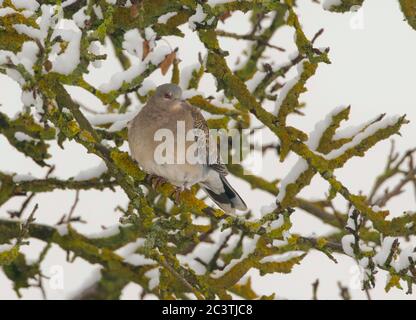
<point x="210" y="145"/>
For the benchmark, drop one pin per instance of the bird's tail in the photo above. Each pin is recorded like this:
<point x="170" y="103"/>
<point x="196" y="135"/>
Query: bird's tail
<point x="222" y="193"/>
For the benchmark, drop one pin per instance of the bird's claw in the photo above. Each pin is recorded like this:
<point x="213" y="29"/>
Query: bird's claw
<point x="155" y="181"/>
<point x="177" y="194"/>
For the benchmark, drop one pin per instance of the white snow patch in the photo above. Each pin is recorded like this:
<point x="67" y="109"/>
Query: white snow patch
<point x="402" y="262"/>
<point x="7" y="11"/>
<point x="130" y="255"/>
<point x="276" y="224"/>
<point x="6" y="247"/>
<point x="287" y="87"/>
<point x="384" y="123"/>
<point x="188" y="94"/>
<point x="66" y="62"/>
<point x="249" y="246"/>
<point x="98" y="12"/>
<point x="118" y="120"/>
<point x="268" y="208"/>
<point x="28" y="55"/>
<point x="91" y="173"/>
<point x="300" y="167"/>
<point x="255" y="81"/>
<point x="95" y="48"/>
<point x="198" y="17"/>
<point x="350" y="221"/>
<point x="150" y="36"/>
<point x="62" y="229"/>
<point x="67" y="3"/>
<point x="347" y="242"/>
<point x="80" y="17"/>
<point x="126" y="76"/>
<point x="153" y="276"/>
<point x="29" y="99"/>
<point x="45" y="22"/>
<point x="159" y="54"/>
<point x="280" y="243"/>
<point x="20" y="136"/>
<point x="29" y="31"/>
<point x="186" y="74"/>
<point x="133" y="43"/>
<point x="381" y="257"/>
<point x="364" y="262"/>
<point x="6" y="56"/>
<point x="351" y="131"/>
<point x="16" y="76"/>
<point x="131" y="247"/>
<point x="23" y="177"/>
<point x="189" y="261"/>
<point x="137" y="259"/>
<point x="164" y="18"/>
<point x="31" y="5"/>
<point x="213" y="3"/>
<point x="282" y="257"/>
<point x="328" y="4"/>
<point x="320" y="127"/>
<point x="118" y="79"/>
<point x="231" y="244"/>
<point x="108" y="232"/>
<point x="147" y="85"/>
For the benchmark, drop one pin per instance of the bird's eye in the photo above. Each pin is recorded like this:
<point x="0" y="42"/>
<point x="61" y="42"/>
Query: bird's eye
<point x="168" y="95"/>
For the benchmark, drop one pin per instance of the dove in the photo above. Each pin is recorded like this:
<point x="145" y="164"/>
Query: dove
<point x="166" y="111"/>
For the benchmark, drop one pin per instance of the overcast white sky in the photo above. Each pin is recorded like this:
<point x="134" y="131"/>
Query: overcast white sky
<point x="372" y="70"/>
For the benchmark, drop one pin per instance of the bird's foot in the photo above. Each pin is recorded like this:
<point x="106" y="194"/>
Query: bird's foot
<point x="177" y="194"/>
<point x="155" y="181"/>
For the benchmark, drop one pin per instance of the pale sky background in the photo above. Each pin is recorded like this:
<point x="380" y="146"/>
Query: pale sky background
<point x="372" y="70"/>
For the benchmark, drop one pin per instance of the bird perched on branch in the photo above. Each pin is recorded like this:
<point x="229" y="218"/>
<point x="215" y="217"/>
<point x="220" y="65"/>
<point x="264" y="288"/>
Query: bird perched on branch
<point x="165" y="113"/>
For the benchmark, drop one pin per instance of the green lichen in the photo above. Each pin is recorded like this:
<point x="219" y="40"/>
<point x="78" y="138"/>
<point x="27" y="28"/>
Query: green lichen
<point x="291" y="101"/>
<point x="169" y="228"/>
<point x="359" y="149"/>
<point x="346" y="5"/>
<point x="280" y="267"/>
<point x="8" y="256"/>
<point x="327" y="143"/>
<point x="12" y="41"/>
<point x="125" y="163"/>
<point x="409" y="10"/>
<point x="205" y="105"/>
<point x="36" y="149"/>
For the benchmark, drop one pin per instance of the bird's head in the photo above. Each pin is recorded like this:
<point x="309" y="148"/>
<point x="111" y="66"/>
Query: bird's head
<point x="169" y="91"/>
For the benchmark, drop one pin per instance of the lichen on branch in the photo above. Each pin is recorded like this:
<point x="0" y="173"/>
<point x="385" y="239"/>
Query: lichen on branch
<point x="187" y="249"/>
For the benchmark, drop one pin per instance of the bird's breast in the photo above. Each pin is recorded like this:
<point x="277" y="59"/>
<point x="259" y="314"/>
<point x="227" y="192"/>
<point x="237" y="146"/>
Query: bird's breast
<point x="158" y="142"/>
